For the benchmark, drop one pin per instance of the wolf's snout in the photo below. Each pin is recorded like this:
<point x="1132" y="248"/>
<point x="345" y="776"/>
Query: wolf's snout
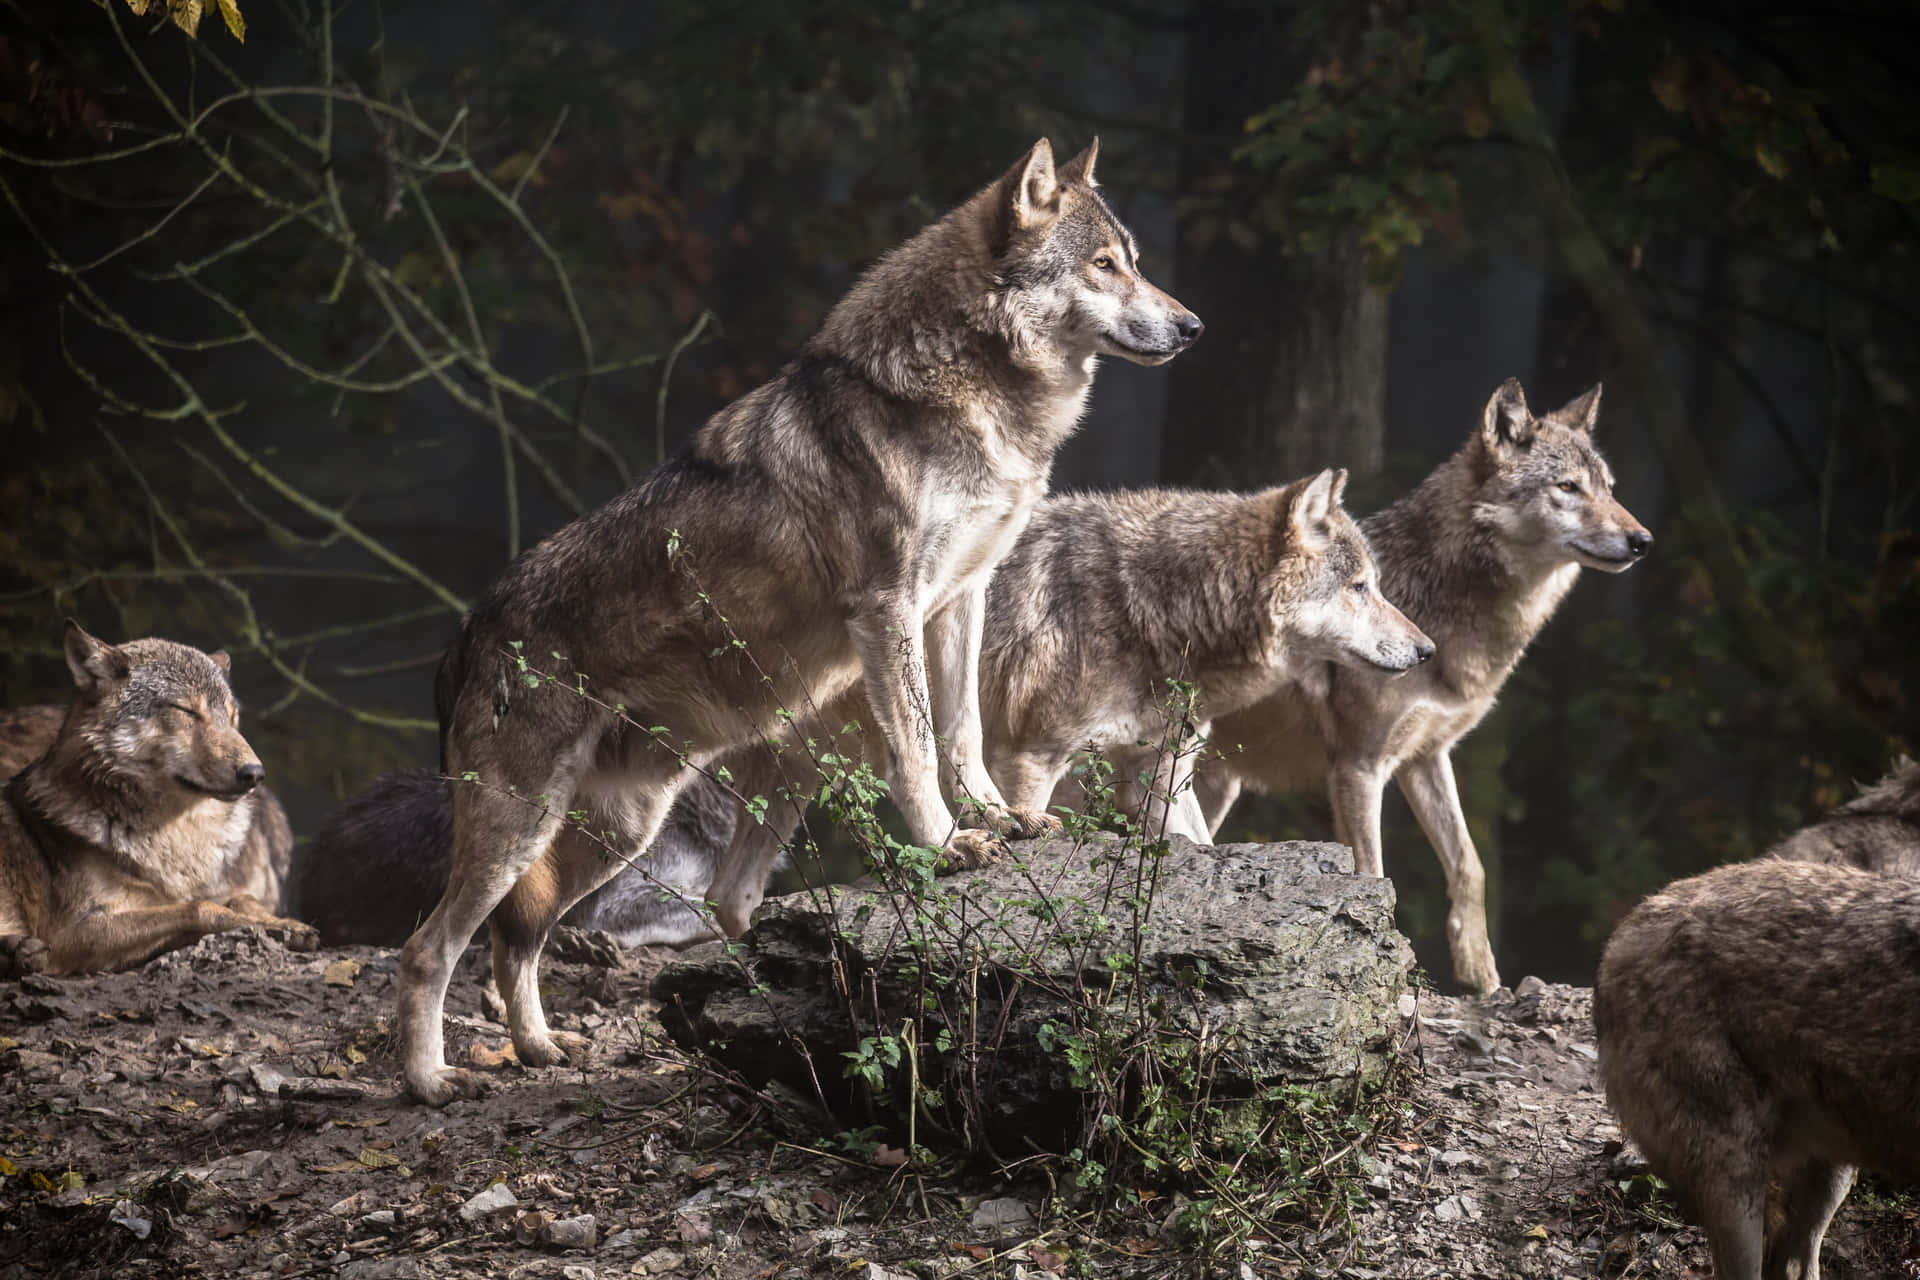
<point x="1188" y="326"/>
<point x="248" y="775"/>
<point x="1639" y="542"/>
<point x="1422" y="652"/>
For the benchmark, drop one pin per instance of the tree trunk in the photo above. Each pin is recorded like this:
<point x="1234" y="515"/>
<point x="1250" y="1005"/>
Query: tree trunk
<point x="1292" y="373"/>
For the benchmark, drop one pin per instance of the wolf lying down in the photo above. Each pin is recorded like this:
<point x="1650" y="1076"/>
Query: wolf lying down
<point x="141" y="825"/>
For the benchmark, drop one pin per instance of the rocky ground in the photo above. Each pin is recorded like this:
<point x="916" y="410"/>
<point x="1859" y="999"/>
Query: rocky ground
<point x="233" y="1109"/>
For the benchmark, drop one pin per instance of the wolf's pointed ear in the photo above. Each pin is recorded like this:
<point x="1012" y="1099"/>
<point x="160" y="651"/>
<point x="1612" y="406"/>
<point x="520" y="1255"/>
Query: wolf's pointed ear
<point x="1033" y="191"/>
<point x="1581" y="412"/>
<point x="1080" y="168"/>
<point x="92" y="661"/>
<point x="222" y="661"/>
<point x="1310" y="513"/>
<point x="1507" y="421"/>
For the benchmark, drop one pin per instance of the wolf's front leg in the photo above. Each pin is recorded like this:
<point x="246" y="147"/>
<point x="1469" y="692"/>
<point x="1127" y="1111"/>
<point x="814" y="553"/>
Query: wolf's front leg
<point x="893" y="660"/>
<point x="107" y="941"/>
<point x="1427" y="782"/>
<point x="953" y="650"/>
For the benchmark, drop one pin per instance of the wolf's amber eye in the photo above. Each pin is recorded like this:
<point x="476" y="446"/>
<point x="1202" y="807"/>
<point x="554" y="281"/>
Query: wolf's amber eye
<point x="1568" y="486"/>
<point x="1359" y="587"/>
<point x="189" y="712"/>
<point x="1104" y="262"/>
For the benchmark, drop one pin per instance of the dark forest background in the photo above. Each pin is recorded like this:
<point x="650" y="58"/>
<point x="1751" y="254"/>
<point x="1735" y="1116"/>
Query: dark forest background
<point x="304" y="337"/>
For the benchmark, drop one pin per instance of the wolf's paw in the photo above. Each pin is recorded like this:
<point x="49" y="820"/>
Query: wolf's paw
<point x="442" y="1085"/>
<point x="294" y="935"/>
<point x="559" y="1048"/>
<point x="21" y="955"/>
<point x="1028" y="823"/>
<point x="1473" y="967"/>
<point x="970" y="850"/>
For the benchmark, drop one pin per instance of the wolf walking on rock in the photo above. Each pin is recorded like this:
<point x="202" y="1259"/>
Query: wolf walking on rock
<point x="837" y="524"/>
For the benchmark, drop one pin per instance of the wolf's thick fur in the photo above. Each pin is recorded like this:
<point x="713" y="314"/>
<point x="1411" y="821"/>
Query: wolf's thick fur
<point x="1878" y="830"/>
<point x="120" y="841"/>
<point x="261" y="868"/>
<point x="842" y="519"/>
<point x="1478" y="556"/>
<point x="398" y="834"/>
<point x="1108" y="597"/>
<point x="1757" y="1030"/>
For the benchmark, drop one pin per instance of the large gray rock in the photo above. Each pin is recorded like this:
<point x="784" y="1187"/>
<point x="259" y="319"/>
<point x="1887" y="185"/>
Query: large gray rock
<point x="1278" y="952"/>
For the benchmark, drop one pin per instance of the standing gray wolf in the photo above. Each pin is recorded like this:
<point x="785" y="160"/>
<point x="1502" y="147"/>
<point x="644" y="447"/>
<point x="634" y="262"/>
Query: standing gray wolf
<point x="398" y="834"/>
<point x="837" y="524"/>
<point x="1104" y="600"/>
<point x="1479" y="556"/>
<point x="1877" y="830"/>
<point x="1108" y="597"/>
<point x="120" y="841"/>
<point x="261" y="867"/>
<point x="1758" y="1028"/>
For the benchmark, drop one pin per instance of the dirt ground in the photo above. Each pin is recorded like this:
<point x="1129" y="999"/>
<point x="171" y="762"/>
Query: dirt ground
<point x="234" y="1110"/>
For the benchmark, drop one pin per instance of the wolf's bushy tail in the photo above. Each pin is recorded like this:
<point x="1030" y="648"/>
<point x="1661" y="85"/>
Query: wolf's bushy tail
<point x="448" y="679"/>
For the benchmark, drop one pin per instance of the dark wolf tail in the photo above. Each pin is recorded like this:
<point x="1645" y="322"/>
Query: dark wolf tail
<point x="374" y="871"/>
<point x="448" y="680"/>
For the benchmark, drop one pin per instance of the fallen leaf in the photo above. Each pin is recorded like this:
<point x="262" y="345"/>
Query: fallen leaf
<point x="824" y="1200"/>
<point x="489" y="1059"/>
<point x="8" y="1169"/>
<point x="336" y="1071"/>
<point x="1536" y="1232"/>
<point x="1054" y="1262"/>
<point x="361" y="1124"/>
<point x="978" y="1252"/>
<point x="352" y="1054"/>
<point x="703" y="1172"/>
<point x="341" y="973"/>
<point x="887" y="1157"/>
<point x="377" y="1159"/>
<point x="231" y="1225"/>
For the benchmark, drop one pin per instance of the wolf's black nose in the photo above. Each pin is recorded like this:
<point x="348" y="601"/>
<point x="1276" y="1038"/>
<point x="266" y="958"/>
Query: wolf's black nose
<point x="1422" y="652"/>
<point x="1639" y="542"/>
<point x="1189" y="326"/>
<point x="249" y="775"/>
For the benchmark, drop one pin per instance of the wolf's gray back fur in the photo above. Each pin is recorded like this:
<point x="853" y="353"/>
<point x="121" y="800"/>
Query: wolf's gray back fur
<point x="1757" y="1026"/>
<point x="1878" y="830"/>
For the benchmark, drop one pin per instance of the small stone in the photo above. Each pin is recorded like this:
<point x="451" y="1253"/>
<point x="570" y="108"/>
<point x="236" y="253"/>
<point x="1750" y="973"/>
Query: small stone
<point x="628" y="1239"/>
<point x="574" y="1271"/>
<point x="126" y="1213"/>
<point x="381" y="1218"/>
<point x="1000" y="1214"/>
<point x="1529" y="986"/>
<point x="1474" y="1042"/>
<point x="1586" y="1051"/>
<point x="580" y="1232"/>
<point x="495" y="1199"/>
<point x="658" y="1262"/>
<point x="1409" y="1004"/>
